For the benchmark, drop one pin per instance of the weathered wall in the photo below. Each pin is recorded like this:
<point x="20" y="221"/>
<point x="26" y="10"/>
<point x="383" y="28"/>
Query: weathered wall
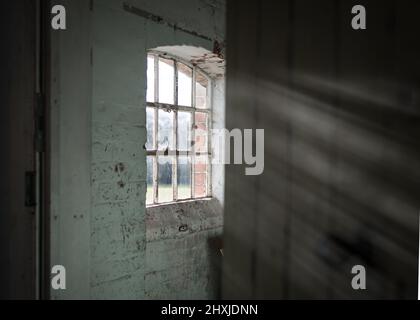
<point x="183" y="256"/>
<point x="98" y="164"/>
<point x="121" y="35"/>
<point x="118" y="159"/>
<point x="340" y="109"/>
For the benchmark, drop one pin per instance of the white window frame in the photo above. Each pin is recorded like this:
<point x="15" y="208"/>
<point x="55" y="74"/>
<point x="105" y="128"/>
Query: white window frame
<point x="175" y="153"/>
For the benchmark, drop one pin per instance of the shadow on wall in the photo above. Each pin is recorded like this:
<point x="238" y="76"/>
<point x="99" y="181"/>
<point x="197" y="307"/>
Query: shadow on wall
<point x="343" y="185"/>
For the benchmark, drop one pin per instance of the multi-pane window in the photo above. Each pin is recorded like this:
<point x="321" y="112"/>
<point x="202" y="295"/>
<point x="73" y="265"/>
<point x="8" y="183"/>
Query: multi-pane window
<point x="178" y="125"/>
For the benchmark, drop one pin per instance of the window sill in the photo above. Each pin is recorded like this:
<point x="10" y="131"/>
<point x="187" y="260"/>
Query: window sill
<point x="182" y="218"/>
<point x="177" y="202"/>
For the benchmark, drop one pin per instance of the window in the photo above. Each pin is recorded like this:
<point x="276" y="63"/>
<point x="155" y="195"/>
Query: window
<point x="178" y="116"/>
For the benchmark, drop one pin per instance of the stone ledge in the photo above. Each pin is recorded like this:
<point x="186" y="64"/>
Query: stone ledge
<point x="176" y="220"/>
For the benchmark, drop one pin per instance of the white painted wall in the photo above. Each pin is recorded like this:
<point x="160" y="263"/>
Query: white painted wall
<point x="98" y="131"/>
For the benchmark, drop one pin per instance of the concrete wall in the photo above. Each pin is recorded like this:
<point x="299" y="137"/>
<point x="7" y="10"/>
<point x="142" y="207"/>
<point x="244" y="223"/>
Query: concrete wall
<point x="120" y="33"/>
<point x="183" y="258"/>
<point x="118" y="158"/>
<point x="340" y="109"/>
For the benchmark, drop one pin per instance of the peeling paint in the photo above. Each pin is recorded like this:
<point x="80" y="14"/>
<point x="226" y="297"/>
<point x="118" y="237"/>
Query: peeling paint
<point x="161" y="20"/>
<point x="213" y="64"/>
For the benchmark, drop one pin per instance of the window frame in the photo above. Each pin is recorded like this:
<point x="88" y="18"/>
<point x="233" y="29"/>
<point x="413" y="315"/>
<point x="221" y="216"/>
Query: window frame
<point x="175" y="108"/>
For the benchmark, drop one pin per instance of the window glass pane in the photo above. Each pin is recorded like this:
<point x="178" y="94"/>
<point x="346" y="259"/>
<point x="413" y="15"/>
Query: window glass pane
<point x="165" y="130"/>
<point x="150" y="96"/>
<point x="201" y="88"/>
<point x="200" y="176"/>
<point x="184" y="131"/>
<point x="201" y="132"/>
<point x="184" y="85"/>
<point x="150" y="124"/>
<point x="149" y="180"/>
<point x="166" y="81"/>
<point x="165" y="192"/>
<point x="184" y="177"/>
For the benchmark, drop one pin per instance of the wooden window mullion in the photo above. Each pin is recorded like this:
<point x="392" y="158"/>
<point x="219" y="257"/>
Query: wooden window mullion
<point x="175" y="137"/>
<point x="155" y="134"/>
<point x="193" y="93"/>
<point x="209" y="137"/>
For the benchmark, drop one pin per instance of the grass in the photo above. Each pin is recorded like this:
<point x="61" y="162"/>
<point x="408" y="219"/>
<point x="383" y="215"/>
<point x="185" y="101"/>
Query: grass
<point x="166" y="193"/>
